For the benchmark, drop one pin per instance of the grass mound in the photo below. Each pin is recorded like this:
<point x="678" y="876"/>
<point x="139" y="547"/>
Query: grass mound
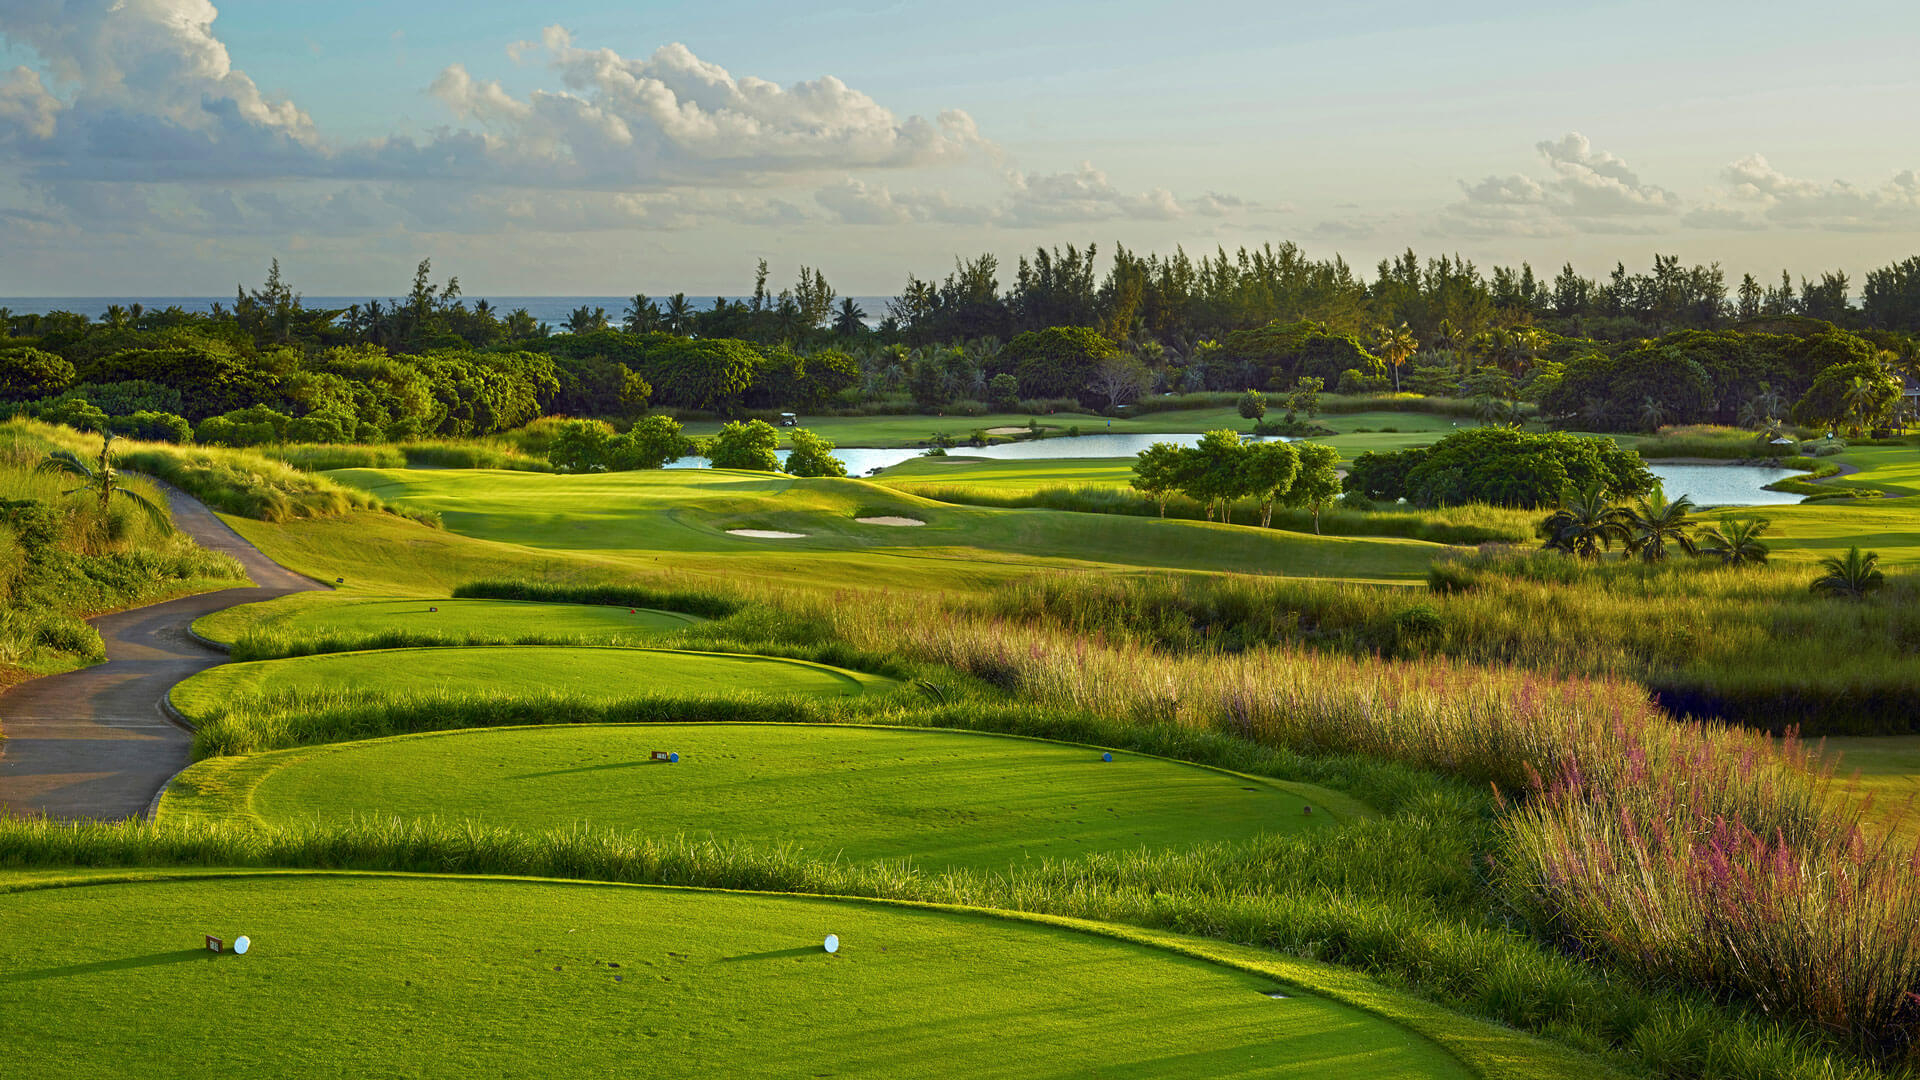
<point x="941" y="798"/>
<point x="387" y="974"/>
<point x="579" y="672"/>
<point x="324" y="622"/>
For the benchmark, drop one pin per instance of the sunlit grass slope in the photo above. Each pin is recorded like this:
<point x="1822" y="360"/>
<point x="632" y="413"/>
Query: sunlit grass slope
<point x="939" y="798"/>
<point x="322" y="614"/>
<point x="580" y="672"/>
<point x="380" y="976"/>
<point x="680" y="520"/>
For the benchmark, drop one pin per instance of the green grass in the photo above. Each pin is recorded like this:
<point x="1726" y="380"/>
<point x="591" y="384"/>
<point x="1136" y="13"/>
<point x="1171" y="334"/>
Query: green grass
<point x="392" y="975"/>
<point x="678" y="520"/>
<point x="1886" y="770"/>
<point x="936" y="798"/>
<point x="584" y="673"/>
<point x="455" y="621"/>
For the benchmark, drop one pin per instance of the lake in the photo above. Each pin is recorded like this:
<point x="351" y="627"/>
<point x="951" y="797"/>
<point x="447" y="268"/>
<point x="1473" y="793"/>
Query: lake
<point x="1725" y="485"/>
<point x="861" y="460"/>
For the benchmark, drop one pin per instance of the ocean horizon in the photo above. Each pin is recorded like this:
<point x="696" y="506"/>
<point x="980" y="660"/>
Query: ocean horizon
<point x="552" y="310"/>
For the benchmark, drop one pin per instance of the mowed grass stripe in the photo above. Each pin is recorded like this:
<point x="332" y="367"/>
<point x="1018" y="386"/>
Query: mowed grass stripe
<point x="587" y="672"/>
<point x="514" y="977"/>
<point x="940" y="798"/>
<point x="321" y="614"/>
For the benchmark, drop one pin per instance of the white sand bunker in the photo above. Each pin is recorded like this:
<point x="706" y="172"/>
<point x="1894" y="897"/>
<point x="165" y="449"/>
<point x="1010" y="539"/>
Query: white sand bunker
<point x="885" y="519"/>
<point x="1008" y="430"/>
<point x="766" y="534"/>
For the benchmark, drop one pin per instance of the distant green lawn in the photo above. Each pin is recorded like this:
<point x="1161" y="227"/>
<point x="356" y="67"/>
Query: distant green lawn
<point x="940" y="798"/>
<point x="364" y="975"/>
<point x="595" y="673"/>
<point x="500" y="620"/>
<point x="678" y="520"/>
<point x="895" y="431"/>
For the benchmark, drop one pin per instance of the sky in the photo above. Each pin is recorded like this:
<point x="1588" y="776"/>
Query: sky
<point x="169" y="148"/>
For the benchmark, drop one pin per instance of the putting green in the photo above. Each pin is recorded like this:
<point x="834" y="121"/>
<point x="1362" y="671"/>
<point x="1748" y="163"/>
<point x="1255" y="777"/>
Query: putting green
<point x="583" y="671"/>
<point x="942" y="798"/>
<point x="322" y="614"/>
<point x="390" y="975"/>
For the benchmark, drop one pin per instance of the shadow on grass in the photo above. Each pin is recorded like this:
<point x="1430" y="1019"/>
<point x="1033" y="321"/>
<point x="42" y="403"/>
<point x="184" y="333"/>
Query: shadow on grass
<point x="126" y="963"/>
<point x="804" y="950"/>
<point x="585" y="768"/>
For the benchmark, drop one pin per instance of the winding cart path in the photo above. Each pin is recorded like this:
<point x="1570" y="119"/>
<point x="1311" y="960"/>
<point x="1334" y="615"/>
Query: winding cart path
<point x="96" y="743"/>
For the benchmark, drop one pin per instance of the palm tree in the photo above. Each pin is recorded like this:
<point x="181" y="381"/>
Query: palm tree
<point x="1853" y="575"/>
<point x="1772" y="428"/>
<point x="102" y="479"/>
<point x="1653" y="522"/>
<point x="1653" y="413"/>
<point x="1449" y="337"/>
<point x="642" y="314"/>
<point x="585" y="320"/>
<point x="1396" y="347"/>
<point x="1585" y="524"/>
<point x="850" y="319"/>
<point x="1859" y="400"/>
<point x="679" y="313"/>
<point x="1735" y="541"/>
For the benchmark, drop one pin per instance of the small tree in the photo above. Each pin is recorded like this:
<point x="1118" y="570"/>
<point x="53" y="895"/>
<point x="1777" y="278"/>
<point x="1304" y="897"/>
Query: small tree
<point x="812" y="455"/>
<point x="1397" y="346"/>
<point x="1160" y="470"/>
<point x="1217" y="473"/>
<point x="649" y="444"/>
<point x="1735" y="541"/>
<point x="1654" y="522"/>
<point x="579" y="446"/>
<point x="750" y="445"/>
<point x="1118" y="378"/>
<point x="1305" y="397"/>
<point x="1318" y="481"/>
<point x="636" y="393"/>
<point x="1271" y="468"/>
<point x="1586" y="523"/>
<point x="1852" y="575"/>
<point x="101" y="479"/>
<point x="1003" y="391"/>
<point x="1253" y="405"/>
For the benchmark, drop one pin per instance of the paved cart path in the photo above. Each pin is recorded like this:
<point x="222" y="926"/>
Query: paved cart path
<point x="94" y="743"/>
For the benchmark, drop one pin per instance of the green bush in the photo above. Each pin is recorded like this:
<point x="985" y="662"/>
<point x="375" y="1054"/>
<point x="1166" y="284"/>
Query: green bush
<point x="812" y="455"/>
<point x="1499" y="466"/>
<point x="750" y="445"/>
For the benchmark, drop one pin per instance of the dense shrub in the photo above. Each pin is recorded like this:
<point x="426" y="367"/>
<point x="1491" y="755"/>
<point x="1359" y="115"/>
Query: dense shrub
<point x="1501" y="467"/>
<point x="1058" y="362"/>
<point x="751" y="445"/>
<point x="812" y="455"/>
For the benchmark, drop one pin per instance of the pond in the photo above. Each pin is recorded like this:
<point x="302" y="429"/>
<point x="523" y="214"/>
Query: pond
<point x="861" y="460"/>
<point x="1725" y="485"/>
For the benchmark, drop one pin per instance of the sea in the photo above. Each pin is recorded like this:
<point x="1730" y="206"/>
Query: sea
<point x="552" y="310"/>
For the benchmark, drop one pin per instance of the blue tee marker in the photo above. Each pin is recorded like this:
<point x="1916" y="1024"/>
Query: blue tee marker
<point x="1106" y="756"/>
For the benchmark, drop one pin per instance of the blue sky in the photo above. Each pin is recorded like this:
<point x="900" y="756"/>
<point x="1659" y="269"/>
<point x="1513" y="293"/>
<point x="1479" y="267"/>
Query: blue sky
<point x="157" y="146"/>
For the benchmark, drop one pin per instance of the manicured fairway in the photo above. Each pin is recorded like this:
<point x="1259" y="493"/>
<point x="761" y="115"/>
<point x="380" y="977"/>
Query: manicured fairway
<point x="940" y="798"/>
<point x="390" y="976"/>
<point x="680" y="520"/>
<point x="1888" y="768"/>
<point x="500" y="620"/>
<point x="598" y="673"/>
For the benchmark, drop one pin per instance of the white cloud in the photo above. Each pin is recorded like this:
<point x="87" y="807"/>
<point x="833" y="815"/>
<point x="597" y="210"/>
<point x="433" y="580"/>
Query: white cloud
<point x="1766" y="196"/>
<point x="137" y="119"/>
<point x="1590" y="191"/>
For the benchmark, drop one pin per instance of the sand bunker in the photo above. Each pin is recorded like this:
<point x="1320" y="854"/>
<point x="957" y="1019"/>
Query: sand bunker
<point x="1008" y="430"/>
<point x="766" y="534"/>
<point x="889" y="520"/>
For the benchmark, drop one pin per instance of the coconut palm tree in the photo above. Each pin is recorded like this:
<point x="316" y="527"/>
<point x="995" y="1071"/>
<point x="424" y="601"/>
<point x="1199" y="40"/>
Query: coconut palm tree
<point x="642" y="315"/>
<point x="1859" y="398"/>
<point x="1397" y="346"/>
<point x="1852" y="575"/>
<point x="1653" y="413"/>
<point x="1585" y="524"/>
<point x="1735" y="541"/>
<point x="102" y="479"/>
<point x="1654" y="521"/>
<point x="679" y="313"/>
